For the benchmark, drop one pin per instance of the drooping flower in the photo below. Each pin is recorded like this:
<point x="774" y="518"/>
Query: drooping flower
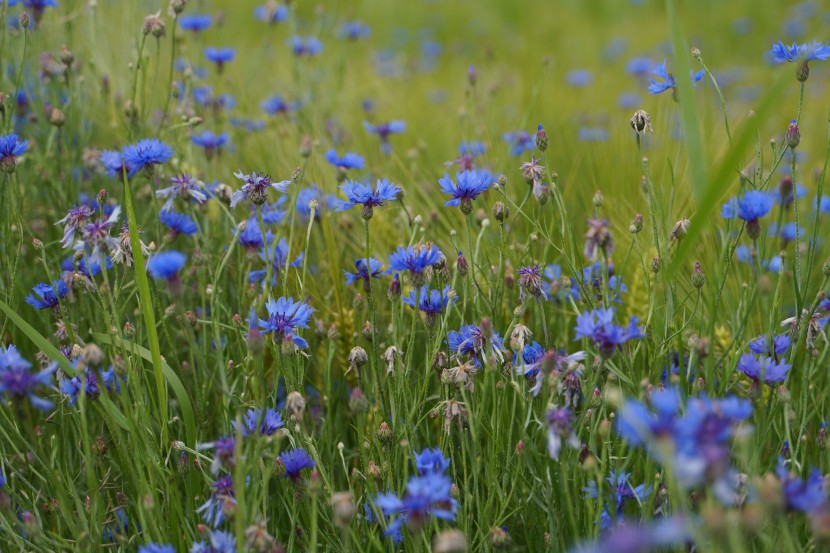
<point x="18" y="381"/>
<point x="166" y="265"/>
<point x="530" y="282"/>
<point x="466" y="188"/>
<point x="224" y="449"/>
<point x="144" y="155"/>
<point x="184" y="186"/>
<point x="256" y="188"/>
<point x="256" y="421"/>
<point x="362" y="194"/>
<point x="75" y="218"/>
<point x="426" y="496"/>
<point x="47" y="296"/>
<point x="363" y="272"/>
<point x="598" y="239"/>
<point x="285" y="317"/>
<point x="294" y="461"/>
<point x="668" y="81"/>
<point x="383" y="130"/>
<point x="10" y="149"/>
<point x="196" y="22"/>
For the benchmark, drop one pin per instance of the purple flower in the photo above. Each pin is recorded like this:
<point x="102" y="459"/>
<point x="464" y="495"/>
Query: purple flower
<point x="213" y="510"/>
<point x="18" y="381"/>
<point x="184" y="186"/>
<point x="560" y="427"/>
<point x="295" y="461"/>
<point x="426" y="496"/>
<point x="468" y="185"/>
<point x="224" y="453"/>
<point x="257" y="422"/>
<point x="75" y="217"/>
<point x="285" y="316"/>
<point x="530" y="281"/>
<point x="256" y="188"/>
<point x="598" y="239"/>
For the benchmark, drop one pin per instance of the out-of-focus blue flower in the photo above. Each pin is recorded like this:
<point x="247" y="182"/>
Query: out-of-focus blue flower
<point x="178" y="223"/>
<point x="47" y="296"/>
<point x="466" y="188"/>
<point x="218" y="542"/>
<point x="579" y="78"/>
<point x="668" y="81"/>
<point x="285" y="317"/>
<point x="807" y="496"/>
<point x="305" y="46"/>
<point x="156" y="548"/>
<point x="648" y="537"/>
<point x="277" y="105"/>
<point x="519" y="142"/>
<point x="257" y="422"/>
<point x="195" y="22"/>
<point x="209" y="141"/>
<point x="349" y="160"/>
<point x="220" y="56"/>
<point x="71" y="387"/>
<point x="203" y="95"/>
<point x="639" y="66"/>
<point x="622" y="491"/>
<point x="384" y="130"/>
<point x="18" y="381"/>
<point x="764" y="369"/>
<point x="598" y="326"/>
<point x="354" y="30"/>
<point x="761" y="345"/>
<point x="324" y="201"/>
<point x="294" y="461"/>
<point x="279" y="260"/>
<point x="166" y="265"/>
<point x="271" y="13"/>
<point x="426" y="496"/>
<point x="592" y="134"/>
<point x="431" y="461"/>
<point x="815" y="51"/>
<point x="76" y="217"/>
<point x="89" y="270"/>
<point x="213" y="510"/>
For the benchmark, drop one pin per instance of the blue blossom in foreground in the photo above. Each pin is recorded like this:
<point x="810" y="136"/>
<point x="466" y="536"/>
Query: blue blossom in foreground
<point x="802" y="54"/>
<point x="278" y="255"/>
<point x="519" y="142"/>
<point x="47" y="296"/>
<point x="305" y="46"/>
<point x="271" y="12"/>
<point x="183" y="186"/>
<point x="213" y="510"/>
<point x="354" y="30"/>
<point x="425" y="497"/>
<point x="598" y="326"/>
<point x="430" y="302"/>
<point x="415" y="259"/>
<point x="145" y="154"/>
<point x="466" y="188"/>
<point x="431" y="461"/>
<point x="761" y="345"/>
<point x="18" y="381"/>
<point x="371" y="518"/>
<point x="195" y="22"/>
<point x="256" y="188"/>
<point x="649" y="537"/>
<point x="808" y="496"/>
<point x="622" y="491"/>
<point x="218" y="542"/>
<point x="560" y="429"/>
<point x="256" y="421"/>
<point x="220" y="56"/>
<point x="285" y="317"/>
<point x="10" y="148"/>
<point x="349" y="160"/>
<point x="384" y="130"/>
<point x="294" y="461"/>
<point x="763" y="369"/>
<point x="363" y="272"/>
<point x="178" y="223"/>
<point x="700" y="435"/>
<point x="156" y="548"/>
<point x="470" y="341"/>
<point x="166" y="265"/>
<point x="362" y="194"/>
<point x="668" y="81"/>
<point x="212" y="143"/>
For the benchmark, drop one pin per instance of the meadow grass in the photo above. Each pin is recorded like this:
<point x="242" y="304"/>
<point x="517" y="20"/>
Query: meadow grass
<point x="613" y="340"/>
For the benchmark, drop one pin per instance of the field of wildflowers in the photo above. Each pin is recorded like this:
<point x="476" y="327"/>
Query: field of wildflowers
<point x="414" y="276"/>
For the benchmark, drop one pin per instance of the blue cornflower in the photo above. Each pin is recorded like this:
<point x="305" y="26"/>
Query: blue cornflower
<point x="279" y="260"/>
<point x="86" y="269"/>
<point x="195" y="22"/>
<point x="251" y="237"/>
<point x="184" y="186"/>
<point x="218" y="542"/>
<point x="639" y="66"/>
<point x="431" y="302"/>
<point x="761" y="345"/>
<point x="622" y="490"/>
<point x="18" y="381"/>
<point x="250" y="125"/>
<point x="75" y="218"/>
<point x="658" y="535"/>
<point x="285" y="316"/>
<point x="112" y="382"/>
<point x="530" y="282"/>
<point x="364" y="272"/>
<point x="383" y="130"/>
<point x="467" y="154"/>
<point x="295" y="461"/>
<point x="10" y="149"/>
<point x="807" y="496"/>
<point x="415" y="259"/>
<point x="431" y="461"/>
<point x="144" y="155"/>
<point x="224" y="453"/>
<point x="119" y="526"/>
<point x="815" y="51"/>
<point x="203" y="95"/>
<point x="211" y="142"/>
<point x="592" y="134"/>
<point x="46" y="296"/>
<point x="220" y="56"/>
<point x="754" y="204"/>
<point x="598" y="326"/>
<point x="166" y="265"/>
<point x="271" y="213"/>
<point x="471" y="342"/>
<point x="271" y="13"/>
<point x="349" y="160"/>
<point x="113" y="163"/>
<point x="257" y="422"/>
<point x="669" y="82"/>
<point x="178" y="223"/>
<point x="305" y="46"/>
<point x="362" y="194"/>
<point x="520" y="142"/>
<point x="95" y="235"/>
<point x="579" y="78"/>
<point x="72" y="387"/>
<point x="560" y="427"/>
<point x="256" y="188"/>
<point x="156" y="548"/>
<point x="276" y="104"/>
<point x="764" y="369"/>
<point x="213" y="510"/>
<point x="426" y="496"/>
<point x="468" y="185"/>
<point x="354" y="30"/>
